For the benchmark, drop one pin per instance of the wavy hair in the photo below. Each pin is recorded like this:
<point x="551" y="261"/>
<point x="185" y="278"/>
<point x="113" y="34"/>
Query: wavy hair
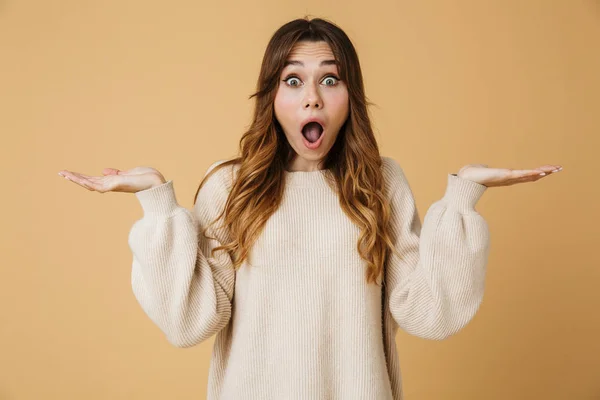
<point x="353" y="165"/>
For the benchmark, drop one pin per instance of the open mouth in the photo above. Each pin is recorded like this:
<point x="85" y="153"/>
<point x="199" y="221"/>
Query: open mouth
<point x="312" y="131"/>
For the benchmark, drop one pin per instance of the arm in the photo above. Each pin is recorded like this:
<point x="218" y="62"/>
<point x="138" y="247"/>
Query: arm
<point x="435" y="285"/>
<point x="184" y="290"/>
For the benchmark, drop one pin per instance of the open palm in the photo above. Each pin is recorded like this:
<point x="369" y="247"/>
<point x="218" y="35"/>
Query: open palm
<point x="115" y="180"/>
<point x="490" y="177"/>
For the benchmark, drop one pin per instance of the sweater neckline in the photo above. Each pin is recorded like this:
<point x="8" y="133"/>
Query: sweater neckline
<point x="308" y="179"/>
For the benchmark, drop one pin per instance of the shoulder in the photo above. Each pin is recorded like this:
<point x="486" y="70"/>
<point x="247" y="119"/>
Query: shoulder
<point x="222" y="172"/>
<point x="215" y="165"/>
<point x="218" y="180"/>
<point x="393" y="175"/>
<point x="390" y="166"/>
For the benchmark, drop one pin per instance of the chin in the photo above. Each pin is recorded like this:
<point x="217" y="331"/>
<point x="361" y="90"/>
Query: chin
<point x="312" y="157"/>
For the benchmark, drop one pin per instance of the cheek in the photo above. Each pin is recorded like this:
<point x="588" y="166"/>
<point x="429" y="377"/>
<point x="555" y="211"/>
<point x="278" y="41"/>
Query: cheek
<point x="338" y="103"/>
<point x="284" y="104"/>
<point x="284" y="113"/>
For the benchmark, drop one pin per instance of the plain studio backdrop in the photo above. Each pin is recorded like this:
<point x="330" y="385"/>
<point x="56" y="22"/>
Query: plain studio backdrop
<point x="87" y="85"/>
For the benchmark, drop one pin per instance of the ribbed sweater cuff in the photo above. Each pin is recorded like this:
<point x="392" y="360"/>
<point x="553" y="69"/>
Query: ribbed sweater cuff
<point x="159" y="200"/>
<point x="463" y="194"/>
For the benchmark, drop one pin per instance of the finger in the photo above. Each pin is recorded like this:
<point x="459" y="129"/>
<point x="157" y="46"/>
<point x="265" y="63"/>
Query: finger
<point x="533" y="178"/>
<point x="66" y="174"/>
<point x="79" y="181"/>
<point x="85" y="181"/>
<point x="71" y="174"/>
<point x="557" y="168"/>
<point x="524" y="179"/>
<point x="551" y="168"/>
<point x="524" y="173"/>
<point x="80" y="175"/>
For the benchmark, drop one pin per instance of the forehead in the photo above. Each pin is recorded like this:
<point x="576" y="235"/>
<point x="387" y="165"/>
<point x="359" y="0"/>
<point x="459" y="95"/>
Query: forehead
<point x="317" y="50"/>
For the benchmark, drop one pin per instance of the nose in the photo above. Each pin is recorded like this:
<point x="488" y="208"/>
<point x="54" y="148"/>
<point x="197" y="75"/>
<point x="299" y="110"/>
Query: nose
<point x="312" y="99"/>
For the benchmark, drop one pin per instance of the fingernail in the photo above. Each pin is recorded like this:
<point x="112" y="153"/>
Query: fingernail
<point x="542" y="174"/>
<point x="556" y="170"/>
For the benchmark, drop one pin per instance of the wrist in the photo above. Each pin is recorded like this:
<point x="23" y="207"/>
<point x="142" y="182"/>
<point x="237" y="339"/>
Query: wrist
<point x="158" y="182"/>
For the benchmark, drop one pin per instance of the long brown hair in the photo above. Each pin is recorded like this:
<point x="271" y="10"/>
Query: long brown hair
<point x="353" y="164"/>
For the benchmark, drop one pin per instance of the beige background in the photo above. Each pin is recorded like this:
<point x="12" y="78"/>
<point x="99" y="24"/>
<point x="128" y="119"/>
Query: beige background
<point x="86" y="85"/>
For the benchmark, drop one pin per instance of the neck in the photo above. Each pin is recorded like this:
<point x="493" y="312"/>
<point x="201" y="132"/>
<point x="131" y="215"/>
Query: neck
<point x="302" y="165"/>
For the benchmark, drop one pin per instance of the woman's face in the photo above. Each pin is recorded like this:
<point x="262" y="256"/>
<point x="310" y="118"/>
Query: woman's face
<point x="311" y="103"/>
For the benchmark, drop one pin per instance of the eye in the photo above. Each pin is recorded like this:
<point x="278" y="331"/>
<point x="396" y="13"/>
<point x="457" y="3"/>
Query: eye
<point x="292" y="81"/>
<point x="331" y="80"/>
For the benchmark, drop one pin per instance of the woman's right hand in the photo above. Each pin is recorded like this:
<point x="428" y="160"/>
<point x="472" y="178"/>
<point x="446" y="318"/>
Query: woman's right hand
<point x="114" y="180"/>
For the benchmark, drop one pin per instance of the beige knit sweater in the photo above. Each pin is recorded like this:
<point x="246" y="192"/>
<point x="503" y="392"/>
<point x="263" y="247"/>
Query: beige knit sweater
<point x="298" y="320"/>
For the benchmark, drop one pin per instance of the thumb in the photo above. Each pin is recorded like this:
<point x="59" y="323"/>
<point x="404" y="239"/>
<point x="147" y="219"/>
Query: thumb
<point x="110" y="171"/>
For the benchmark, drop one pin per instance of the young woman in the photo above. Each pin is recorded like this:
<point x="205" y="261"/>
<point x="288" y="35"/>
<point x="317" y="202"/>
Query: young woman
<point x="305" y="254"/>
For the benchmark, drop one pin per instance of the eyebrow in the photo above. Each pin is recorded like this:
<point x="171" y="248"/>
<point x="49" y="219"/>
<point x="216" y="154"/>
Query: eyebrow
<point x="300" y="63"/>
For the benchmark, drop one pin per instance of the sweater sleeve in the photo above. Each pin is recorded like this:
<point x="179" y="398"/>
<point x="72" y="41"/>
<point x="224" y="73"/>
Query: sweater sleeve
<point x="435" y="285"/>
<point x="184" y="290"/>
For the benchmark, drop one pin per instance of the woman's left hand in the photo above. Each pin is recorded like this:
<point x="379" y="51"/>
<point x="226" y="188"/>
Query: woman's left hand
<point x="480" y="173"/>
